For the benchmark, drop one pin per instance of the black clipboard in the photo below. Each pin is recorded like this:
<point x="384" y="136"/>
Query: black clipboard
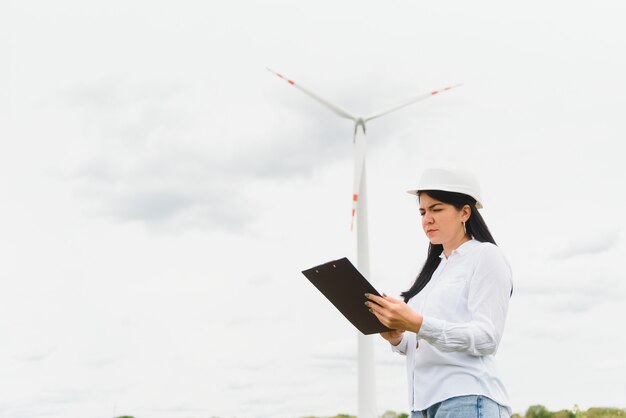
<point x="345" y="287"/>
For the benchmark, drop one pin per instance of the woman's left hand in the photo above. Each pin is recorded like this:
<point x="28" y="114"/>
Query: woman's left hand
<point x="394" y="313"/>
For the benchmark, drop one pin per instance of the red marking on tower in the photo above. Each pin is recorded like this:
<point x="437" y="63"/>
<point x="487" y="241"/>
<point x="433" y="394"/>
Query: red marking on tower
<point x="355" y="197"/>
<point x="434" y="92"/>
<point x="291" y="82"/>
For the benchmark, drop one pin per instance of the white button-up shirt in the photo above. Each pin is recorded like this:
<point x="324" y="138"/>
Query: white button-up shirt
<point x="464" y="306"/>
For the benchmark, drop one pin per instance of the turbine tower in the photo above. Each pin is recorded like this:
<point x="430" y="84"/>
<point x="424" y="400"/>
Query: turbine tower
<point x="366" y="385"/>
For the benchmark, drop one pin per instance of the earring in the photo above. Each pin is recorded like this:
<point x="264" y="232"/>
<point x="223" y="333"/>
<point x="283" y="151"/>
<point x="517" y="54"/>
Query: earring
<point x="464" y="230"/>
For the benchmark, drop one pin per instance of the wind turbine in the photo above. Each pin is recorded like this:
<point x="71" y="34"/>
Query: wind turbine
<point x="366" y="388"/>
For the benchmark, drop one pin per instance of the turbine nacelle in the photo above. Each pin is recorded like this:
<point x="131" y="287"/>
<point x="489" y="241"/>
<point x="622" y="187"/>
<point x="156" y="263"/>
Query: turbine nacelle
<point x="359" y="122"/>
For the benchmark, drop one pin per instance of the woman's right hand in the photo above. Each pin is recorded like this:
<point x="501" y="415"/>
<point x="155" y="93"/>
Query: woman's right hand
<point x="394" y="336"/>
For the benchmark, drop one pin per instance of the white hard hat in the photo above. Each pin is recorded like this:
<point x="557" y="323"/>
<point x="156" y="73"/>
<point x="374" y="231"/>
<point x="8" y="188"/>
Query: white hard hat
<point x="450" y="180"/>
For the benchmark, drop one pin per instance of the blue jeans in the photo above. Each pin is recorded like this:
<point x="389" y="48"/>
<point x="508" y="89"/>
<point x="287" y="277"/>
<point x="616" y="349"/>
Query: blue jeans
<point x="470" y="406"/>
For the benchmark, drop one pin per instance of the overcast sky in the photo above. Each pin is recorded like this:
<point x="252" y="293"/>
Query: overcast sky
<point x="160" y="192"/>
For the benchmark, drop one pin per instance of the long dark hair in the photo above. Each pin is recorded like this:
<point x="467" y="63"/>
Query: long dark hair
<point x="475" y="227"/>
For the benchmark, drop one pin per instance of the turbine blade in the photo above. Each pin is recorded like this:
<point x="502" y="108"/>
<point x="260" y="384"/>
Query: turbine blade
<point x="338" y="110"/>
<point x="409" y="102"/>
<point x="359" y="163"/>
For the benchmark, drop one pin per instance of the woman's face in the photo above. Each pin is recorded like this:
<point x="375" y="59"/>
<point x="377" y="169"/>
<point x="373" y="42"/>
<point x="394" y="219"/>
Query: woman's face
<point x="442" y="222"/>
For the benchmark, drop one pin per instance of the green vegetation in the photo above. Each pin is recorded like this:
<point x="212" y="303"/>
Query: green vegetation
<point x="540" y="411"/>
<point x="534" y="411"/>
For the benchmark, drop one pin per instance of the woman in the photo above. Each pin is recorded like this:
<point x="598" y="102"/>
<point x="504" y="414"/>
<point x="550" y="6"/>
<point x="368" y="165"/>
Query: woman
<point x="451" y="320"/>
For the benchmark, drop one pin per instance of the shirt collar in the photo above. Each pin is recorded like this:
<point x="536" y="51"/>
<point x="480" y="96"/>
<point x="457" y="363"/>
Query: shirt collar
<point x="462" y="249"/>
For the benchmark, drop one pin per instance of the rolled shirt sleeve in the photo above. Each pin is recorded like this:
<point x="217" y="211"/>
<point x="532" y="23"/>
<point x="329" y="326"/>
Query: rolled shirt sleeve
<point x="488" y="300"/>
<point x="401" y="348"/>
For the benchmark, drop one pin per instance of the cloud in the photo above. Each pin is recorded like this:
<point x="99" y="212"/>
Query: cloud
<point x="576" y="302"/>
<point x="239" y="386"/>
<point x="159" y="159"/>
<point x="118" y="108"/>
<point x="339" y="365"/>
<point x="576" y="274"/>
<point x="179" y="407"/>
<point x="63" y="396"/>
<point x="27" y="410"/>
<point x="338" y="355"/>
<point x="573" y="289"/>
<point x="591" y="244"/>
<point x="154" y="166"/>
<point x="100" y="362"/>
<point x="298" y="152"/>
<point x="158" y="191"/>
<point x="36" y="355"/>
<point x="53" y="403"/>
